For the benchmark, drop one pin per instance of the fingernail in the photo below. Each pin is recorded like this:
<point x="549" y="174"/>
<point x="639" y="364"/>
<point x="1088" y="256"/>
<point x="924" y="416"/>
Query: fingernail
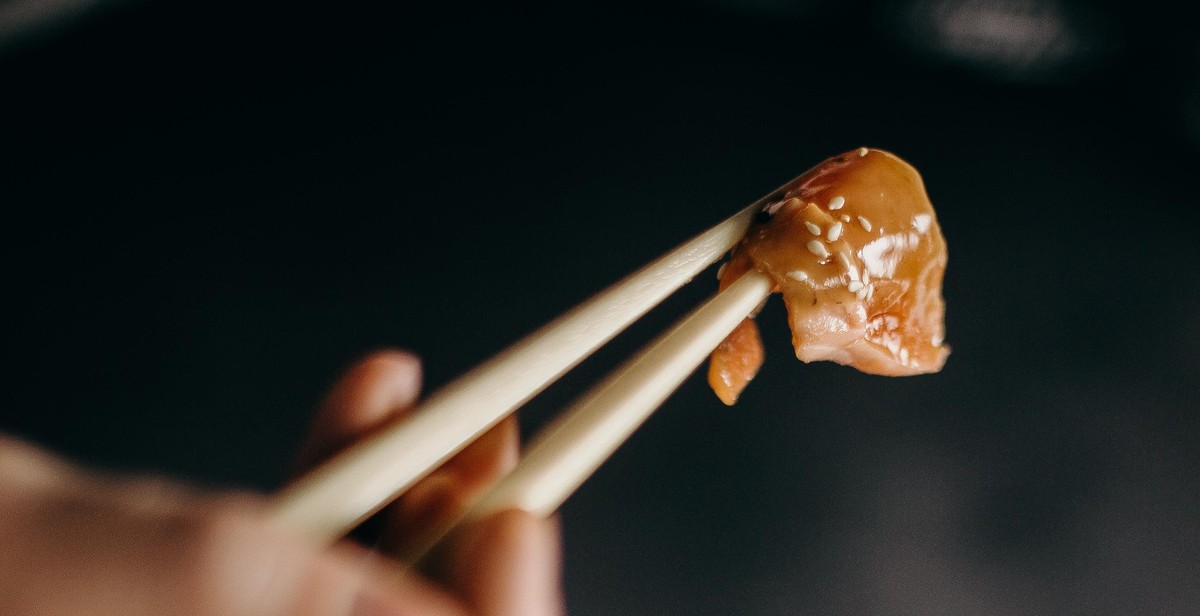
<point x="407" y="377"/>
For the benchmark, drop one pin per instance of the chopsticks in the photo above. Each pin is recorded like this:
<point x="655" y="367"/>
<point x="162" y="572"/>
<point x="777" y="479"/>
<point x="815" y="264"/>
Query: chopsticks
<point x="572" y="447"/>
<point x="335" y="497"/>
<point x="577" y="442"/>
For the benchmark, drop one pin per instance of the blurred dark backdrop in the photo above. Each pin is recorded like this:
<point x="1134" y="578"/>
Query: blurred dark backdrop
<point x="211" y="208"/>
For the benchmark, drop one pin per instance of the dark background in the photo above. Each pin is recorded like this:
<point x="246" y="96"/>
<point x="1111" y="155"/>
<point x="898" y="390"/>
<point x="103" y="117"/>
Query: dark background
<point x="212" y="208"/>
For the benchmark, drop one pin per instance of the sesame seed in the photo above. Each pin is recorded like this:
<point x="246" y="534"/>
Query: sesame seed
<point x="862" y="152"/>
<point x="904" y="356"/>
<point x="721" y="271"/>
<point x="813" y="227"/>
<point x="854" y="286"/>
<point x="844" y="218"/>
<point x="921" y="222"/>
<point x="774" y="207"/>
<point x="844" y="259"/>
<point x="837" y="202"/>
<point x="835" y="231"/>
<point x="863" y="293"/>
<point x="866" y="224"/>
<point x="817" y="248"/>
<point x="799" y="275"/>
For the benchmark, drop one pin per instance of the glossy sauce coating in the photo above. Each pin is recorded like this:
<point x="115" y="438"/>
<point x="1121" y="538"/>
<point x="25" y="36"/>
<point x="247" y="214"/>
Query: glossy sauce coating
<point x="855" y="249"/>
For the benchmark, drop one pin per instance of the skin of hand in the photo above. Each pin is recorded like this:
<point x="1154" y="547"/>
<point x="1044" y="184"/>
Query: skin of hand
<point x="74" y="541"/>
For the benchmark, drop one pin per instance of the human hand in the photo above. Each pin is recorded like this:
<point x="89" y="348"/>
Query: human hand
<point x="74" y="541"/>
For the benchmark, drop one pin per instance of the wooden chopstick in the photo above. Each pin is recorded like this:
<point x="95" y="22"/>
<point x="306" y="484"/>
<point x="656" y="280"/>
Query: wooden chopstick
<point x="577" y="442"/>
<point x="570" y="449"/>
<point x="330" y="500"/>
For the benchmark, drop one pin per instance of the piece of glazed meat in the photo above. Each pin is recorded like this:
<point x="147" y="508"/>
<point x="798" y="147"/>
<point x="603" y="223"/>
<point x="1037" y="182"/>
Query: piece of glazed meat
<point x="854" y="247"/>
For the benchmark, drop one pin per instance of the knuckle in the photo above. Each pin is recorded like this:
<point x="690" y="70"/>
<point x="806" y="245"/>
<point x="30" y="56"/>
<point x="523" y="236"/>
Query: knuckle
<point x="15" y="453"/>
<point x="22" y="463"/>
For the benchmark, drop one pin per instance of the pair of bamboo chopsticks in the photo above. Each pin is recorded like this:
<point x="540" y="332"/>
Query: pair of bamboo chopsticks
<point x="334" y="498"/>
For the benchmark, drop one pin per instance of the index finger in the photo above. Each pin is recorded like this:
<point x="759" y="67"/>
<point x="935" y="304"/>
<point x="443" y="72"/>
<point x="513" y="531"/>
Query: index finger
<point x="376" y="391"/>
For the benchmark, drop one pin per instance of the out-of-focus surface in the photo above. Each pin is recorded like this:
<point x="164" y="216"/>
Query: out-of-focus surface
<point x="211" y="208"/>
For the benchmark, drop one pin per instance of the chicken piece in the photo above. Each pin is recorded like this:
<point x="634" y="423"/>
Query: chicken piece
<point x="854" y="247"/>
